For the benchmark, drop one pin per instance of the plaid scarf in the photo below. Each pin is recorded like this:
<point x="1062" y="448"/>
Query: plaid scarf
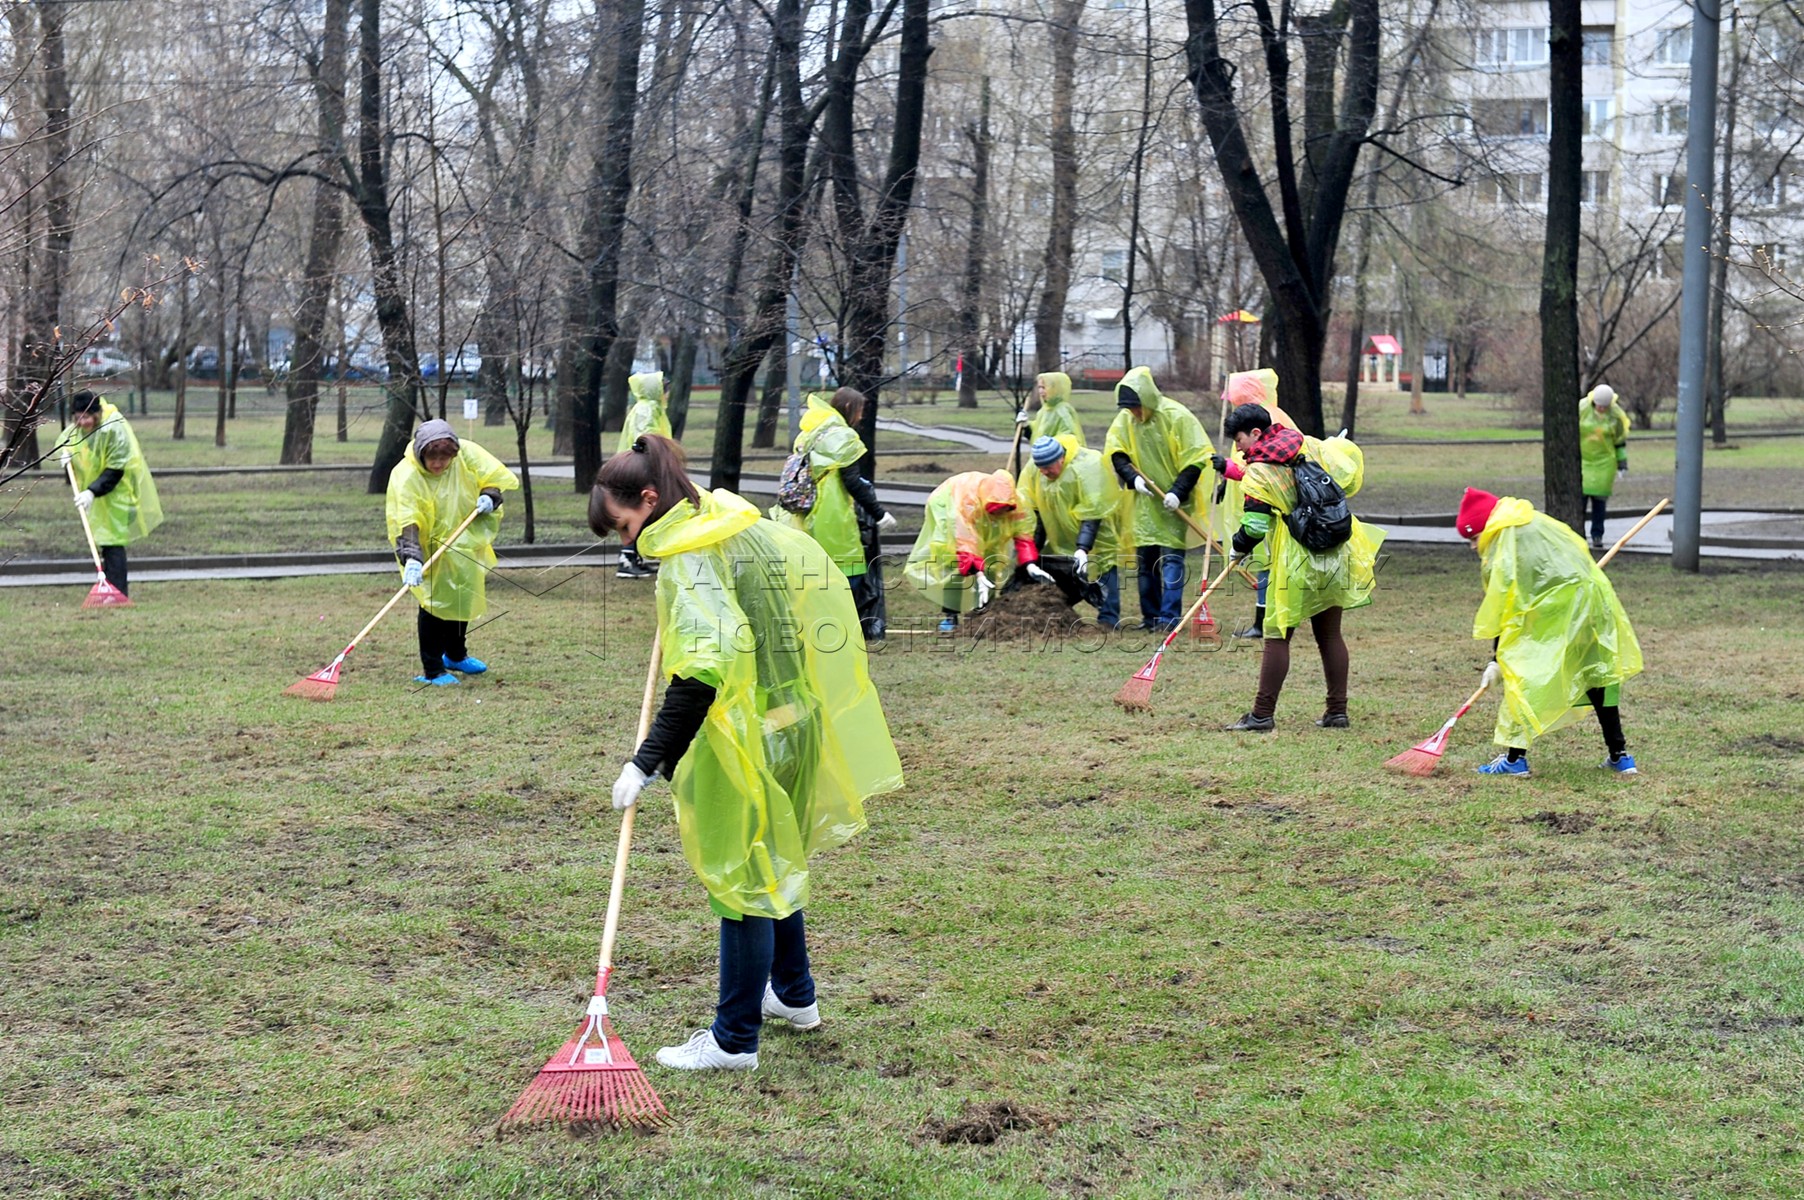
<point x="1279" y="446"/>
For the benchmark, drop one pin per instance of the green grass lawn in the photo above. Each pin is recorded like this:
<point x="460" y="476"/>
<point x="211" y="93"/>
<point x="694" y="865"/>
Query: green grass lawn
<point x="264" y="948"/>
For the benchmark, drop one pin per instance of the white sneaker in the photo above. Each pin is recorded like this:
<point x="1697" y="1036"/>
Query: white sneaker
<point x="802" y="1019"/>
<point x="703" y="1053"/>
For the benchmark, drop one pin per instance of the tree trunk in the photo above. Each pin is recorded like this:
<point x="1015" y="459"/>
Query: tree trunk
<point x="615" y="392"/>
<point x="1716" y="398"/>
<point x="1049" y="315"/>
<point x="1133" y="252"/>
<point x="970" y="304"/>
<point x="682" y="379"/>
<point x="44" y="301"/>
<point x="179" y="431"/>
<point x="220" y="366"/>
<point x="770" y="401"/>
<point x="1559" y="270"/>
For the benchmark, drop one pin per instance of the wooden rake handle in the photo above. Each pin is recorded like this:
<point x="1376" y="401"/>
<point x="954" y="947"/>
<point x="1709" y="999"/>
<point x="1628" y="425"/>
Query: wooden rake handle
<point x="611" y="927"/>
<point x="1196" y="528"/>
<point x="86" y="527"/>
<point x="1014" y="452"/>
<point x="1196" y="607"/>
<point x="1634" y="529"/>
<point x="403" y="589"/>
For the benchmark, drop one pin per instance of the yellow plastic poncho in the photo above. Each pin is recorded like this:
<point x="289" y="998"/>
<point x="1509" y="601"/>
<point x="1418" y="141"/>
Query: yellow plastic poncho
<point x="1560" y="629"/>
<point x="132" y="509"/>
<point x="1056" y="417"/>
<point x="453" y="587"/>
<point x="1603" y="445"/>
<point x="832" y="446"/>
<point x="1086" y="490"/>
<point x="1247" y="387"/>
<point x="795" y="741"/>
<point x="1170" y="439"/>
<point x="1304" y="583"/>
<point x="646" y="414"/>
<point x="958" y="518"/>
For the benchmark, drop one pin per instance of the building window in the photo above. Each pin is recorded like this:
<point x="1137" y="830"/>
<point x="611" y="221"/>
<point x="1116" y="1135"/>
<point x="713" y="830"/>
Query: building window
<point x="1597" y="46"/>
<point x="1674" y="47"/>
<point x="1510" y="47"/>
<point x="1510" y="118"/>
<point x="1770" y="257"/>
<point x="1114" y="265"/>
<point x="1770" y="193"/>
<point x="1600" y="117"/>
<point x="1522" y="188"/>
<point x="1669" y="190"/>
<point x="1669" y="261"/>
<point x="1673" y="117"/>
<point x="1594" y="187"/>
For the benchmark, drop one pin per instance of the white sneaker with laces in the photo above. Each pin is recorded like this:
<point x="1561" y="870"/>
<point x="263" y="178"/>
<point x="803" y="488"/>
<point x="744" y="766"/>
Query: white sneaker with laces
<point x="703" y="1053"/>
<point x="801" y="1019"/>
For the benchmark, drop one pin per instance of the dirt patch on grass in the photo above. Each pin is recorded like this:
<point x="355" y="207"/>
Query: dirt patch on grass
<point x="1024" y="614"/>
<point x="1771" y="743"/>
<point x="1570" y="822"/>
<point x="983" y="1124"/>
<point x="926" y="468"/>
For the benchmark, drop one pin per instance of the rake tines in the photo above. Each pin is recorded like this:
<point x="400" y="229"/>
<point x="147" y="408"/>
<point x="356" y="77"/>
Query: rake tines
<point x="1136" y="695"/>
<point x="104" y="595"/>
<point x="1423" y="757"/>
<point x="322" y="684"/>
<point x="572" y="1091"/>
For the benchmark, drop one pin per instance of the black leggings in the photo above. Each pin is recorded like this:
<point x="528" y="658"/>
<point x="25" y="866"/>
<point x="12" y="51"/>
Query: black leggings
<point x="112" y="565"/>
<point x="1609" y="719"/>
<point x="440" y="639"/>
<point x="1274" y="665"/>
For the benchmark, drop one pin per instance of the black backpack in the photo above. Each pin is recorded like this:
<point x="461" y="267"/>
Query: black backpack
<point x="1321" y="520"/>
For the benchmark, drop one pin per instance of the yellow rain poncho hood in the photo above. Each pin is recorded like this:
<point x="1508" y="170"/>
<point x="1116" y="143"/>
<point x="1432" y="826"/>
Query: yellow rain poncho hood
<point x="795" y="741"/>
<point x="1247" y="387"/>
<point x="1559" y="627"/>
<point x="132" y="509"/>
<point x="1056" y="417"/>
<point x="646" y="413"/>
<point x="1603" y="445"/>
<point x="453" y="588"/>
<point x="1304" y="583"/>
<point x="1085" y="490"/>
<point x="1170" y="439"/>
<point x="958" y="517"/>
<point x="832" y="446"/>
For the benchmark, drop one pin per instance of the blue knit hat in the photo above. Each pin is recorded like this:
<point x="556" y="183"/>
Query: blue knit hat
<point x="1047" y="451"/>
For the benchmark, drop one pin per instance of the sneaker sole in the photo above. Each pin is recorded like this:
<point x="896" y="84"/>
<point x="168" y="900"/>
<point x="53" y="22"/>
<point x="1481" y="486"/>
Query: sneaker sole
<point x="774" y="1019"/>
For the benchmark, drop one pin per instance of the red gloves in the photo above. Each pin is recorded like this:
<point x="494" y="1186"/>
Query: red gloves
<point x="969" y="563"/>
<point x="1026" y="552"/>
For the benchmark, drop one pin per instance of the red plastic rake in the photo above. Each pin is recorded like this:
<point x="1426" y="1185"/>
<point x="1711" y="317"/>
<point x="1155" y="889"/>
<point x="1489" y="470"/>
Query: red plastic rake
<point x="592" y="1079"/>
<point x="323" y="683"/>
<point x="1423" y="757"/>
<point x="103" y="594"/>
<point x="1136" y="695"/>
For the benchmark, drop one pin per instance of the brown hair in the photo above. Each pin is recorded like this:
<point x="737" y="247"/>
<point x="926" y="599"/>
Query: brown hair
<point x="846" y="400"/>
<point x="653" y="462"/>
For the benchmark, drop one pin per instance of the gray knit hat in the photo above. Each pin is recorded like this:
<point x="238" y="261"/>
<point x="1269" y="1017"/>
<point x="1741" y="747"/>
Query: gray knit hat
<point x="430" y="432"/>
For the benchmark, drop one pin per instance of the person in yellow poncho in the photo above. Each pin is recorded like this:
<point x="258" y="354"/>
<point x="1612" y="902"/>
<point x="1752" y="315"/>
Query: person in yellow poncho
<point x="971" y="523"/>
<point x="1048" y="412"/>
<point x="771" y="732"/>
<point x="117" y="491"/>
<point x="646" y="415"/>
<point x="830" y="438"/>
<point x="1158" y="448"/>
<point x="1559" y="637"/>
<point x="1603" y="453"/>
<point x="1247" y="387"/>
<point x="431" y="491"/>
<point x="1305" y="585"/>
<point x="1068" y="490"/>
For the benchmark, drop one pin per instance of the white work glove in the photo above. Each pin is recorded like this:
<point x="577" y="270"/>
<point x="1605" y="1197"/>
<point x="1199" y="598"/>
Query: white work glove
<point x="984" y="588"/>
<point x="1081" y="560"/>
<point x="1492" y="676"/>
<point x="485" y="505"/>
<point x="1622" y="473"/>
<point x="84" y="500"/>
<point x="1172" y="503"/>
<point x="632" y="781"/>
<point x="1036" y="571"/>
<point x="1021" y="416"/>
<point x="1141" y="486"/>
<point x="414" y="573"/>
<point x="886" y="521"/>
<point x="64" y="458"/>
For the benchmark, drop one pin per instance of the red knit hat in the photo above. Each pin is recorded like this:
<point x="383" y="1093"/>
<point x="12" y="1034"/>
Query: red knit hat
<point x="1474" y="510"/>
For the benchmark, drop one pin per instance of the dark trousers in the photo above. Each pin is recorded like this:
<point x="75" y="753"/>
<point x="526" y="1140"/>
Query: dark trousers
<point x="439" y="639"/>
<point x="1161" y="572"/>
<point x="1609" y="719"/>
<point x="112" y="565"/>
<point x="1274" y="665"/>
<point x="753" y="951"/>
<point x="1599" y="506"/>
<point x="1104" y="594"/>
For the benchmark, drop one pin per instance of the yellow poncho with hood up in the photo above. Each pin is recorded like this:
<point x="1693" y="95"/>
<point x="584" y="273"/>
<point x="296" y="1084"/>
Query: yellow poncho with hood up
<point x="1086" y="490"/>
<point x="1170" y="439"/>
<point x="437" y="504"/>
<point x="132" y="509"/>
<point x="832" y="446"/>
<point x="1559" y="627"/>
<point x="1304" y="583"/>
<point x="1056" y="417"/>
<point x="958" y="518"/>
<point x="1603" y="446"/>
<point x="646" y="413"/>
<point x="795" y="741"/>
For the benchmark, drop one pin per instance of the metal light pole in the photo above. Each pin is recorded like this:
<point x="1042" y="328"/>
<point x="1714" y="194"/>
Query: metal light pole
<point x="1694" y="304"/>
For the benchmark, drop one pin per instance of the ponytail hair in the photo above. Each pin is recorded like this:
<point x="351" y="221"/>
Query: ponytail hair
<point x="654" y="462"/>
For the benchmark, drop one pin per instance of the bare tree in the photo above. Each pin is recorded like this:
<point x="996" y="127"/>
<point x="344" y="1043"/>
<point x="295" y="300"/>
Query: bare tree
<point x="1563" y="497"/>
<point x="1049" y="316"/>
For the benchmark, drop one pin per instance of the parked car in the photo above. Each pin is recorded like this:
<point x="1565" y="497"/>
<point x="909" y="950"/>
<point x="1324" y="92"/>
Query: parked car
<point x="464" y="363"/>
<point x="104" y="362"/>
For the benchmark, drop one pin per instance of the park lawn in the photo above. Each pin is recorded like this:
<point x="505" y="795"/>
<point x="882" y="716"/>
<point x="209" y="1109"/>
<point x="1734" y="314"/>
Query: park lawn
<point x="264" y="948"/>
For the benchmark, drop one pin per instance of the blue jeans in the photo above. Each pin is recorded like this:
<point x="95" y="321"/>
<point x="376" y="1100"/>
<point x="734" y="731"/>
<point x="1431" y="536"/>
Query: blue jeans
<point x="753" y="951"/>
<point x="1161" y="572"/>
<point x="1109" y="611"/>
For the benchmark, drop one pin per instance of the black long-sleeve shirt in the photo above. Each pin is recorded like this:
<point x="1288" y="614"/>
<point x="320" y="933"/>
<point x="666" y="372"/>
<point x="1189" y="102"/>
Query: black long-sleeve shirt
<point x="680" y="717"/>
